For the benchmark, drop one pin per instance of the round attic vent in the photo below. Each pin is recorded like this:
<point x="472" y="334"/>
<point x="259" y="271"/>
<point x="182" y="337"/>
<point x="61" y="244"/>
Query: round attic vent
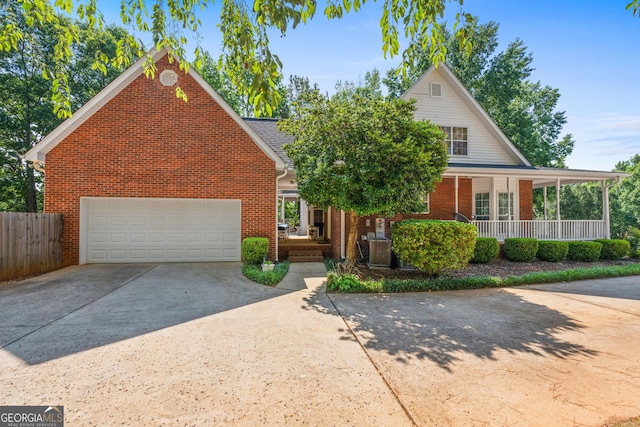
<point x="168" y="78"/>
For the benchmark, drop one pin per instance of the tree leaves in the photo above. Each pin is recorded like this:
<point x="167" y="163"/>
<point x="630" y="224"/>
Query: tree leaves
<point x="244" y="28"/>
<point x="364" y="154"/>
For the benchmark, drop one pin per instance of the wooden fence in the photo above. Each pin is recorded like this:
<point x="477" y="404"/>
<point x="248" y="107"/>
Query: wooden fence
<point x="30" y="243"/>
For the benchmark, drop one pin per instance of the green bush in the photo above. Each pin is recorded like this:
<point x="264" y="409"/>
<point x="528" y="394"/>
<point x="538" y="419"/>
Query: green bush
<point x="584" y="251"/>
<point x="633" y="237"/>
<point x="270" y="278"/>
<point x="486" y="250"/>
<point x="614" y="248"/>
<point x="432" y="245"/>
<point x="520" y="249"/>
<point x="552" y="250"/>
<point x="254" y="249"/>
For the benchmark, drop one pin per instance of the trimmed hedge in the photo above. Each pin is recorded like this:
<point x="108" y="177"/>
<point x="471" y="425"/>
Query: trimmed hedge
<point x="433" y="245"/>
<point x="584" y="251"/>
<point x="552" y="250"/>
<point x="486" y="250"/>
<point x="254" y="249"/>
<point x="614" y="248"/>
<point x="520" y="249"/>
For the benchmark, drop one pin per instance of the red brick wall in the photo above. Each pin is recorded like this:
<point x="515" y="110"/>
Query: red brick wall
<point x="147" y="143"/>
<point x="442" y="206"/>
<point x="526" y="200"/>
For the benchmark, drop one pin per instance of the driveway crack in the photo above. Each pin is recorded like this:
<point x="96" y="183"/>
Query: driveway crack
<point x="374" y="364"/>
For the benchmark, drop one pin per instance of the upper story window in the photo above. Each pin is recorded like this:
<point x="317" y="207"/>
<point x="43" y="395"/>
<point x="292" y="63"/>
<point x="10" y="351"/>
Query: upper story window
<point x="456" y="140"/>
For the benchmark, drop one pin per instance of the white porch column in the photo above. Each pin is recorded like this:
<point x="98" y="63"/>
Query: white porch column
<point x="304" y="217"/>
<point x="605" y="210"/>
<point x="544" y="194"/>
<point x="559" y="228"/>
<point x="493" y="201"/>
<point x="283" y="201"/>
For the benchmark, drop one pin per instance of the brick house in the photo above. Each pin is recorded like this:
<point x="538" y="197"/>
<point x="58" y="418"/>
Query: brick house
<point x="142" y="176"/>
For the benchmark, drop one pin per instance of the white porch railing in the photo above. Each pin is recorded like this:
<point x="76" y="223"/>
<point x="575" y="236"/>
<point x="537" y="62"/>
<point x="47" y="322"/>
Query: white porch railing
<point x="543" y="230"/>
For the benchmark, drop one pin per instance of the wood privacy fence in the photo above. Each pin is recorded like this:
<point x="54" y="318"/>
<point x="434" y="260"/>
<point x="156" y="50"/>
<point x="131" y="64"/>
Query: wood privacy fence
<point x="30" y="243"/>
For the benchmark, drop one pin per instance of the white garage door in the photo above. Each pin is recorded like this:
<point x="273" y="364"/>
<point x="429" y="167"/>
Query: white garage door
<point x="159" y="230"/>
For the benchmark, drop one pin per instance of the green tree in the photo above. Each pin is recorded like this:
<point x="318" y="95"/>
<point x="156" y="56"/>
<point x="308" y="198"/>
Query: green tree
<point x="625" y="198"/>
<point x="245" y="35"/>
<point x="500" y="82"/>
<point x="577" y="201"/>
<point x="364" y="156"/>
<point x="27" y="114"/>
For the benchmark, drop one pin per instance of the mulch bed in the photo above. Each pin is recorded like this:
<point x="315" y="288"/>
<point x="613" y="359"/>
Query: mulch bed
<point x="498" y="268"/>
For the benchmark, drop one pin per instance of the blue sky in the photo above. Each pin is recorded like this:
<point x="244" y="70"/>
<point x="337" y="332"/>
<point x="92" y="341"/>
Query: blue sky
<point x="588" y="49"/>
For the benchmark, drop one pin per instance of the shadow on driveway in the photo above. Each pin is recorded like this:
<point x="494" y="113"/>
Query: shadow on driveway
<point x="441" y="327"/>
<point x="84" y="307"/>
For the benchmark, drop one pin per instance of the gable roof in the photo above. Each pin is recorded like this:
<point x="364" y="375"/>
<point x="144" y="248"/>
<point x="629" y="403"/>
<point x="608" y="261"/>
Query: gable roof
<point x="475" y="107"/>
<point x="39" y="151"/>
<point x="267" y="130"/>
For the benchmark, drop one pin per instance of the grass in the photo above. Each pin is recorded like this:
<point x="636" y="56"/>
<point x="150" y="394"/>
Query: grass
<point x="269" y="278"/>
<point x="350" y="283"/>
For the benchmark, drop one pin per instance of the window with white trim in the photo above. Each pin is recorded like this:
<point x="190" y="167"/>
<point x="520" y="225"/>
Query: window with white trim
<point x="482" y="206"/>
<point x="505" y="206"/>
<point x="426" y="199"/>
<point x="455" y="140"/>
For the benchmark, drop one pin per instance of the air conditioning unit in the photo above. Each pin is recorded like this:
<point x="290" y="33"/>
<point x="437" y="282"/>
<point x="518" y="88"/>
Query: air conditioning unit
<point x="380" y="253"/>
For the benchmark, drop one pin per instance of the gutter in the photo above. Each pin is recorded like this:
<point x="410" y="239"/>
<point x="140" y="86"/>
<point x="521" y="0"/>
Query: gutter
<point x="278" y="178"/>
<point x="34" y="163"/>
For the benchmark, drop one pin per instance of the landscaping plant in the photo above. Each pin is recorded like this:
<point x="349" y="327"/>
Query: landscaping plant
<point x="614" y="248"/>
<point x="552" y="250"/>
<point x="486" y="250"/>
<point x="254" y="249"/>
<point x="584" y="251"/>
<point x="520" y="249"/>
<point x="633" y="237"/>
<point x="433" y="245"/>
<point x="270" y="278"/>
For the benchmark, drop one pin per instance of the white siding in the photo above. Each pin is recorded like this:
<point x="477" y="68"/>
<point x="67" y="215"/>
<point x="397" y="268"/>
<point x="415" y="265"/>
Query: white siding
<point x="451" y="110"/>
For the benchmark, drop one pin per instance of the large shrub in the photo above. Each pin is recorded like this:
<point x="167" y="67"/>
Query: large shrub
<point x="486" y="250"/>
<point x="584" y="251"/>
<point x="614" y="248"/>
<point x="254" y="249"/>
<point x="520" y="249"/>
<point x="552" y="250"/>
<point x="633" y="237"/>
<point x="432" y="245"/>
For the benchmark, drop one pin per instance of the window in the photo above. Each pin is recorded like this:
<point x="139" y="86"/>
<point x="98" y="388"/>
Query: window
<point x="425" y="200"/>
<point x="482" y="206"/>
<point x="505" y="206"/>
<point x="436" y="90"/>
<point x="427" y="205"/>
<point x="456" y="140"/>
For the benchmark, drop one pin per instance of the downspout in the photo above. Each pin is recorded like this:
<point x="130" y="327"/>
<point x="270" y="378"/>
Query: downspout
<point x="605" y="206"/>
<point x="342" y="236"/>
<point x="278" y="178"/>
<point x="456" y="193"/>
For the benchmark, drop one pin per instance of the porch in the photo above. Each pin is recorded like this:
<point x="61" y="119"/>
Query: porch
<point x="543" y="229"/>
<point x="304" y="250"/>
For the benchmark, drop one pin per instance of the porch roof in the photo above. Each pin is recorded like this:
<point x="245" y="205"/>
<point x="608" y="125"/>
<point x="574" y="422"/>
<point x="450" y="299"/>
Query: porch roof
<point x="540" y="176"/>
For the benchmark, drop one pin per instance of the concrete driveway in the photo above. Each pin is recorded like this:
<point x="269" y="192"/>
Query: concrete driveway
<point x="198" y="344"/>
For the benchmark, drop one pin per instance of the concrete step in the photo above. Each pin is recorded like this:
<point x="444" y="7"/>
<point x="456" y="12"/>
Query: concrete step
<point x="305" y="255"/>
